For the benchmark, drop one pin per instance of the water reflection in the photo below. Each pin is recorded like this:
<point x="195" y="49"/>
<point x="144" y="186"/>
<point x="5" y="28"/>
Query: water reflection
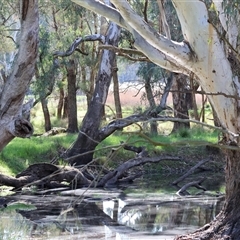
<point x="97" y="216"/>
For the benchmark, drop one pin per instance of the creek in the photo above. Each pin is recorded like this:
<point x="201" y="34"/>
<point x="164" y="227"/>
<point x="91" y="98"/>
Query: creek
<point x="130" y="212"/>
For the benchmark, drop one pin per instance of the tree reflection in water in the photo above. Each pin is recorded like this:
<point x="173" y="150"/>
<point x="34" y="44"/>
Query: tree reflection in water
<point x="88" y="217"/>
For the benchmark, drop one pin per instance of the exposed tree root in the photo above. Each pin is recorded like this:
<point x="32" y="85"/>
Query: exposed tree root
<point x="222" y="228"/>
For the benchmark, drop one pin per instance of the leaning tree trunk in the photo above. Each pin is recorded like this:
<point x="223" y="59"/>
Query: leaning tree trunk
<point x="12" y="123"/>
<point x="72" y="100"/>
<point x="88" y="137"/>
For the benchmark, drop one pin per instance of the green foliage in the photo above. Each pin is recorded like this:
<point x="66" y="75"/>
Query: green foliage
<point x="21" y="153"/>
<point x="149" y="69"/>
<point x="231" y="8"/>
<point x="19" y="206"/>
<point x="9" y="26"/>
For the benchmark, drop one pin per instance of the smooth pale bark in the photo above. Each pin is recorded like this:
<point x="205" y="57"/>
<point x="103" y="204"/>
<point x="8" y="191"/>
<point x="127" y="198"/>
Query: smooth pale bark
<point x="140" y="43"/>
<point x="177" y="50"/>
<point x="201" y="53"/>
<point x="229" y="24"/>
<point x="211" y="64"/>
<point x="206" y="54"/>
<point x="12" y="123"/>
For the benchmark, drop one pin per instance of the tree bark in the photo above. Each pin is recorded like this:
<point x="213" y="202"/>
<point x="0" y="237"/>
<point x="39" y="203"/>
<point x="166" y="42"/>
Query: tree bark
<point x="47" y="120"/>
<point x="194" y="88"/>
<point x="117" y="100"/>
<point x="60" y="102"/>
<point x="65" y="107"/>
<point x="214" y="59"/>
<point x="72" y="100"/>
<point x="152" y="104"/>
<point x="180" y="102"/>
<point x="88" y="137"/>
<point x="12" y="123"/>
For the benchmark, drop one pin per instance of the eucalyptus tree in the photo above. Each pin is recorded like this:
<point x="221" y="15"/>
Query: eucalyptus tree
<point x="45" y="73"/>
<point x="151" y="74"/>
<point x="14" y="120"/>
<point x="210" y="52"/>
<point x="61" y="22"/>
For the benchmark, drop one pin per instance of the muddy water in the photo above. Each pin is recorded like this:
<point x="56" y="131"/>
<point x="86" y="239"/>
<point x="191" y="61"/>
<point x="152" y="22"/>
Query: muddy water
<point x="104" y="214"/>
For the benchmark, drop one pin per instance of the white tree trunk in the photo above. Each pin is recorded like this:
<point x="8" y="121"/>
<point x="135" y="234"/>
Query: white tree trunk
<point x="201" y="53"/>
<point x="12" y="122"/>
<point x="210" y="63"/>
<point x="214" y="59"/>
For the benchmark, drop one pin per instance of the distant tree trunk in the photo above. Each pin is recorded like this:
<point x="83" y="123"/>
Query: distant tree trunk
<point x="72" y="100"/>
<point x="65" y="108"/>
<point x="151" y="101"/>
<point x="179" y="101"/>
<point x="60" y="102"/>
<point x="194" y="88"/>
<point x="117" y="100"/>
<point x="88" y="137"/>
<point x="47" y="120"/>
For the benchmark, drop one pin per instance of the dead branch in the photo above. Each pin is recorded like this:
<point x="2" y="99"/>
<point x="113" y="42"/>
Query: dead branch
<point x="113" y="177"/>
<point x="183" y="190"/>
<point x="54" y="131"/>
<point x="191" y="171"/>
<point x="141" y="151"/>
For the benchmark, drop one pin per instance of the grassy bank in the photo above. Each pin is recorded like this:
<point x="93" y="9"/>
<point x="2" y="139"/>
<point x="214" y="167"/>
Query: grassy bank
<point x="20" y="153"/>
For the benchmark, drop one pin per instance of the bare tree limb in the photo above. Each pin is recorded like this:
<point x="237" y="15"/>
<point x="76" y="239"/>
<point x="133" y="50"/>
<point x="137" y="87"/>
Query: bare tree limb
<point x="191" y="171"/>
<point x="77" y="41"/>
<point x="112" y="177"/>
<point x="183" y="190"/>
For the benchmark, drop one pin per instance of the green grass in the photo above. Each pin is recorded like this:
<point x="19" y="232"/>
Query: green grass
<point x="20" y="153"/>
<point x="195" y="137"/>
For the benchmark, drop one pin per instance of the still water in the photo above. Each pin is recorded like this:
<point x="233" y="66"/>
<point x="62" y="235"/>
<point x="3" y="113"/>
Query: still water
<point x="104" y="214"/>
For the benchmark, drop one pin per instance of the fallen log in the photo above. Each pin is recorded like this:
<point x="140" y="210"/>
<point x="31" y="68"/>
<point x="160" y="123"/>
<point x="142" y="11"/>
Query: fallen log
<point x="183" y="190"/>
<point x="46" y="175"/>
<point x="191" y="170"/>
<point x="113" y="177"/>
